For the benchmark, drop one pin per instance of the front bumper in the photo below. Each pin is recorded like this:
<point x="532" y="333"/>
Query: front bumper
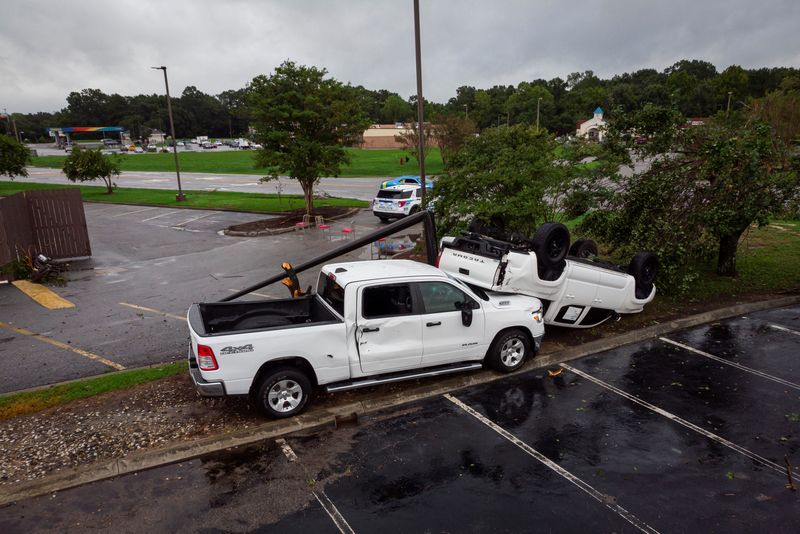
<point x="203" y="386"/>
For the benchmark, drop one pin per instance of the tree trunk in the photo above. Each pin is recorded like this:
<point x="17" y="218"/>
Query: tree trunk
<point x="726" y="262"/>
<point x="109" y="185"/>
<point x="308" y="196"/>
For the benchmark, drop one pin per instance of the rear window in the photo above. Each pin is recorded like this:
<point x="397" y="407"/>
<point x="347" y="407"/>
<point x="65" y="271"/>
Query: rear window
<point x="394" y="193"/>
<point x="331" y="292"/>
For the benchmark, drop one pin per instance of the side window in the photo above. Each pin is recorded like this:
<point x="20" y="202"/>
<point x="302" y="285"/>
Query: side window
<point x="386" y="301"/>
<point x="439" y="297"/>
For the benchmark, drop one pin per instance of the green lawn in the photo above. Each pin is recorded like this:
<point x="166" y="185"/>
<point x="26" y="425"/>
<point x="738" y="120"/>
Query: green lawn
<point x="266" y="203"/>
<point x="378" y="163"/>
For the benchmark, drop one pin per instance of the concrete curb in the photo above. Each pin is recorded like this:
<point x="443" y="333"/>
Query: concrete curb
<point x="277" y="231"/>
<point x="185" y="451"/>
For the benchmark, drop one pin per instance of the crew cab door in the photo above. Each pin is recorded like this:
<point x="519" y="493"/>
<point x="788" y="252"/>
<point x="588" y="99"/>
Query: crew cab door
<point x="445" y="338"/>
<point x="389" y="328"/>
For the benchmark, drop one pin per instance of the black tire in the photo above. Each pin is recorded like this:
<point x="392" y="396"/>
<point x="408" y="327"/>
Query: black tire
<point x="509" y="351"/>
<point x="551" y="244"/>
<point x="283" y="392"/>
<point x="384" y="220"/>
<point x="413" y="210"/>
<point x="644" y="268"/>
<point x="583" y="248"/>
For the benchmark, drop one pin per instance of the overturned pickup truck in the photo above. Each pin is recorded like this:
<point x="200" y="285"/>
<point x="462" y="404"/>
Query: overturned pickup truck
<point x="577" y="289"/>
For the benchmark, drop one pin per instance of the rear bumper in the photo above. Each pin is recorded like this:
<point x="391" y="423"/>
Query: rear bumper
<point x="203" y="386"/>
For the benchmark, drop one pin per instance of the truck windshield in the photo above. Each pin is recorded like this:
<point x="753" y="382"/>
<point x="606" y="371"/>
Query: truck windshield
<point x="331" y="292"/>
<point x="394" y="193"/>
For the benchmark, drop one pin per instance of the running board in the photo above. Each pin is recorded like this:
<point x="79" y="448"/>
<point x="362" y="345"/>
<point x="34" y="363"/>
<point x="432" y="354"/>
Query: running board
<point x="399" y="377"/>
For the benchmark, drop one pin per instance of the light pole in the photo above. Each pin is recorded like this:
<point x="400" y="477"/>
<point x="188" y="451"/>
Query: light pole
<point x="420" y="102"/>
<point x="538" y="101"/>
<point x="728" y="110"/>
<point x="466" y="111"/>
<point x="180" y="197"/>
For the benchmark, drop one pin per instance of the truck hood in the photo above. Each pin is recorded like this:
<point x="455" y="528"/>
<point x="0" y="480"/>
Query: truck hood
<point x="505" y="301"/>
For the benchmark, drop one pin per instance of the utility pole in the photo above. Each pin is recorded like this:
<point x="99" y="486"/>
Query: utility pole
<point x="728" y="110"/>
<point x="180" y="197"/>
<point x="466" y="111"/>
<point x="420" y="105"/>
<point x="538" y="101"/>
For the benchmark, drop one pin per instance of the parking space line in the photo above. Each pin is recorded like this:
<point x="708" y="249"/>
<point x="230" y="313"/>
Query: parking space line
<point x="733" y="364"/>
<point x="252" y="293"/>
<point x="584" y="486"/>
<point x="153" y="310"/>
<point x="672" y="417"/>
<point x="59" y="344"/>
<point x="783" y="328"/>
<point x="336" y="516"/>
<point x="134" y="211"/>
<point x="157" y="216"/>
<point x="195" y="219"/>
<point x="43" y="295"/>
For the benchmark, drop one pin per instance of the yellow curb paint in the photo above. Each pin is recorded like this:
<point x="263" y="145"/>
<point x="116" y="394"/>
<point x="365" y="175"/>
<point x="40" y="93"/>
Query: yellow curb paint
<point x="42" y="295"/>
<point x="152" y="310"/>
<point x="61" y="345"/>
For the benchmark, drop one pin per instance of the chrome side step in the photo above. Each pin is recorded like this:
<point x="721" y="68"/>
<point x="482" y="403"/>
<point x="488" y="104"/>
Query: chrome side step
<point x="399" y="377"/>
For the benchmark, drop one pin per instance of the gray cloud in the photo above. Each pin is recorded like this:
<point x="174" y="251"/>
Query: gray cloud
<point x="48" y="49"/>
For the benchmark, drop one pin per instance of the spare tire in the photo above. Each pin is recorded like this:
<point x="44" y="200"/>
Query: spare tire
<point x="644" y="268"/>
<point x="551" y="244"/>
<point x="583" y="248"/>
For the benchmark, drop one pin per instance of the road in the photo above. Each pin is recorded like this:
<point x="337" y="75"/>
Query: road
<point x="360" y="188"/>
<point x="131" y="296"/>
<point x="685" y="433"/>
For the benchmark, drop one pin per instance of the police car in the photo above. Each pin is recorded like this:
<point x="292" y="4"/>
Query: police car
<point x="397" y="201"/>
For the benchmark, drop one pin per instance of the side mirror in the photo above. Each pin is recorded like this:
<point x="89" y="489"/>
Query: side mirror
<point x="466" y="315"/>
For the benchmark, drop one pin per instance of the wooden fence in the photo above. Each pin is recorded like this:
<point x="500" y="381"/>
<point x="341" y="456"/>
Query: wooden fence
<point x="49" y="222"/>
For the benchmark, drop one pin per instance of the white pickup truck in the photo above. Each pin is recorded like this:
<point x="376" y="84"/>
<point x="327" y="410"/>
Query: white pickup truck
<point x="368" y="323"/>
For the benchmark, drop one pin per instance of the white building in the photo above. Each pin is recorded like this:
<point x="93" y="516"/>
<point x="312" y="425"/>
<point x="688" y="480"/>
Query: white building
<point x="594" y="128"/>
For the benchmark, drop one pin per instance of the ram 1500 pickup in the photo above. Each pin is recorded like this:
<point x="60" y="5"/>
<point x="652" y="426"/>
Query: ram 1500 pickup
<point x="369" y="322"/>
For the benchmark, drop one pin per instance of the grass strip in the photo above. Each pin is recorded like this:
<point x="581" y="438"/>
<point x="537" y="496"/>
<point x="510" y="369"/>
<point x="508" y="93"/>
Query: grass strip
<point x="27" y="402"/>
<point x="363" y="163"/>
<point x="258" y="202"/>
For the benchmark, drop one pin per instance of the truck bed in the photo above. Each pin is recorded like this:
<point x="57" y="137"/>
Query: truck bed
<point x="220" y="318"/>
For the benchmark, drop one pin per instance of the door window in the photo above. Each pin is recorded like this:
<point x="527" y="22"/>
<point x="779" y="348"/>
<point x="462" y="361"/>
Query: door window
<point x="386" y="301"/>
<point x="439" y="297"/>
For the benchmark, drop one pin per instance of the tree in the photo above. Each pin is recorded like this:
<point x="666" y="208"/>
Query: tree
<point x="450" y="133"/>
<point x="507" y="172"/>
<point x="410" y="138"/>
<point x="704" y="188"/>
<point x="13" y="157"/>
<point x="84" y="165"/>
<point x="304" y="120"/>
<point x="395" y="109"/>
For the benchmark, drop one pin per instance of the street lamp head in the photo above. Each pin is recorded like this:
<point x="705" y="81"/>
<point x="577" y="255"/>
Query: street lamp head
<point x="159" y="68"/>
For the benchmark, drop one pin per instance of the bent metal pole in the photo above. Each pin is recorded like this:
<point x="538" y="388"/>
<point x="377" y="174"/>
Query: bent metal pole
<point x="429" y="232"/>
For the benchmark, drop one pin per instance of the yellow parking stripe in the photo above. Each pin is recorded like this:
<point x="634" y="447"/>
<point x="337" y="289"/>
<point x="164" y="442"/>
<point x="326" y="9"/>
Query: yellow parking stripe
<point x="59" y="344"/>
<point x="42" y="295"/>
<point x="152" y="310"/>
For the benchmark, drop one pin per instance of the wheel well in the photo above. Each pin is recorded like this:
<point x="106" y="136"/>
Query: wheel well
<point x="524" y="329"/>
<point x="300" y="363"/>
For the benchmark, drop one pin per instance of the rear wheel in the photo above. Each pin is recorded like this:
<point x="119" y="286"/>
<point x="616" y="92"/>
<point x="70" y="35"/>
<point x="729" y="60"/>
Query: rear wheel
<point x="551" y="244"/>
<point x="384" y="220"/>
<point x="284" y="392"/>
<point x="583" y="248"/>
<point x="509" y="351"/>
<point x="643" y="268"/>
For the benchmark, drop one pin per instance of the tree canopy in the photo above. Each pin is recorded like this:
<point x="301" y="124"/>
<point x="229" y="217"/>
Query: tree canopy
<point x="85" y="164"/>
<point x="13" y="157"/>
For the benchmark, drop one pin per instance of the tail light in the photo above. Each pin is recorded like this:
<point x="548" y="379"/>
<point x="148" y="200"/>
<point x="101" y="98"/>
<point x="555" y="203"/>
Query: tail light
<point x="402" y="203"/>
<point x="205" y="358"/>
<point x="439" y="258"/>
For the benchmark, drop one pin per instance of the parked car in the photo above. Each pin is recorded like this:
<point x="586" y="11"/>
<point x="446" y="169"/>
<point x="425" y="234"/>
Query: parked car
<point x="407" y="180"/>
<point x="397" y="201"/>
<point x="152" y="148"/>
<point x="110" y="142"/>
<point x="208" y="145"/>
<point x="578" y="289"/>
<point x="368" y="323"/>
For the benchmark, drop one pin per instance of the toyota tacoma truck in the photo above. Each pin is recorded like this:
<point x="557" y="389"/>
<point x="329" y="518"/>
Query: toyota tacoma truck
<point x="577" y="289"/>
<point x="367" y="323"/>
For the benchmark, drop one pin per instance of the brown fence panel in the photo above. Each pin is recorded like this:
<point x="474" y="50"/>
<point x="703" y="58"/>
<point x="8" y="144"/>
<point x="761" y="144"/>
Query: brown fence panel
<point x="15" y="228"/>
<point x="58" y="223"/>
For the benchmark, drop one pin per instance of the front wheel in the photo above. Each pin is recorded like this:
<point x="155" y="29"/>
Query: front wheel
<point x="284" y="392"/>
<point x="509" y="351"/>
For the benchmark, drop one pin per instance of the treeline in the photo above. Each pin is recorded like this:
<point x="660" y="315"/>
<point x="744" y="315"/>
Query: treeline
<point x="694" y="87"/>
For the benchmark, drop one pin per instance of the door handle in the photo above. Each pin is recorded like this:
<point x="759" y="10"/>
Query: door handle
<point x="437" y="323"/>
<point x="366" y="330"/>
<point x="570" y="296"/>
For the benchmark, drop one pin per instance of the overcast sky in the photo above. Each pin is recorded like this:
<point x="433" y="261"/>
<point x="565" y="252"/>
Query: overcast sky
<point x="49" y="48"/>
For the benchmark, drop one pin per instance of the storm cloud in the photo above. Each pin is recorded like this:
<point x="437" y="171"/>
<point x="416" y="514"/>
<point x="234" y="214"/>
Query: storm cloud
<point x="48" y="48"/>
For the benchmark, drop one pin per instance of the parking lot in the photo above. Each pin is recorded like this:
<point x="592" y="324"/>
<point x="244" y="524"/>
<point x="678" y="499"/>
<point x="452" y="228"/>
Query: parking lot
<point x="148" y="265"/>
<point x="689" y="432"/>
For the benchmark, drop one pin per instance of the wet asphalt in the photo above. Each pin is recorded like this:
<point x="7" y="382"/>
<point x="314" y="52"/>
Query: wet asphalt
<point x="148" y="265"/>
<point x="652" y="437"/>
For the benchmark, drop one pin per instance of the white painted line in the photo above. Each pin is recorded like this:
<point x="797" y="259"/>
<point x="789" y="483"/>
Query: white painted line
<point x="584" y="486"/>
<point x="132" y="212"/>
<point x="337" y="518"/>
<point x="158" y="216"/>
<point x="287" y="450"/>
<point x="153" y="310"/>
<point x="784" y="329"/>
<point x="196" y="218"/>
<point x="253" y="293"/>
<point x="672" y="417"/>
<point x="733" y="364"/>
